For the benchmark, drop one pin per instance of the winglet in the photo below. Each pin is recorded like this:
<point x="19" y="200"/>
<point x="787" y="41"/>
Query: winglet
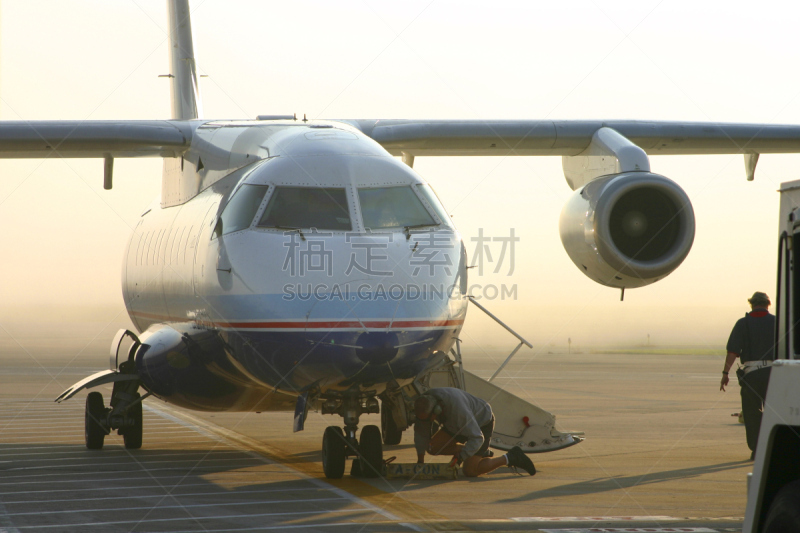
<point x="184" y="90"/>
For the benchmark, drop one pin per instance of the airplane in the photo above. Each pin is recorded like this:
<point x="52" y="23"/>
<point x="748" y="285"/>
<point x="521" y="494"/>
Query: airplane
<point x="263" y="277"/>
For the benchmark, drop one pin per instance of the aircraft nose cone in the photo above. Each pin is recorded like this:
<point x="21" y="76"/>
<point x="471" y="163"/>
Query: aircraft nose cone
<point x="377" y="347"/>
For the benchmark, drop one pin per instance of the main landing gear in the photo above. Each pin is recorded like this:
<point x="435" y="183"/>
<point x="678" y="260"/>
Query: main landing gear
<point x="125" y="412"/>
<point x="338" y="444"/>
<point x="124" y="415"/>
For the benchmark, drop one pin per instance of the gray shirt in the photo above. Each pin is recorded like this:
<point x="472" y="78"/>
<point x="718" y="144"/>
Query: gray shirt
<point x="462" y="415"/>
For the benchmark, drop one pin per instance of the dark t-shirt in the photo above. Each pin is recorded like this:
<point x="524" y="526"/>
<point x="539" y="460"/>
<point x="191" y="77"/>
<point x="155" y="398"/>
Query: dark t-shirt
<point x="753" y="337"/>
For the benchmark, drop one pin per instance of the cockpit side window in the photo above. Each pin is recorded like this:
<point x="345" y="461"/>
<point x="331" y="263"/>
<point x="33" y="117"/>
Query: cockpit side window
<point x="392" y="207"/>
<point x="307" y="207"/>
<point x="241" y="209"/>
<point x="430" y="196"/>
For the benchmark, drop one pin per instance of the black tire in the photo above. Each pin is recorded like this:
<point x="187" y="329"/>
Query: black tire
<point x="391" y="434"/>
<point x="95" y="414"/>
<point x="371" y="451"/>
<point x="784" y="512"/>
<point x="333" y="452"/>
<point x="132" y="435"/>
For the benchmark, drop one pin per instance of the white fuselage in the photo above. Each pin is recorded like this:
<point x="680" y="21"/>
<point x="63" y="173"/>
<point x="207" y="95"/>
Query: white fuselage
<point x="360" y="301"/>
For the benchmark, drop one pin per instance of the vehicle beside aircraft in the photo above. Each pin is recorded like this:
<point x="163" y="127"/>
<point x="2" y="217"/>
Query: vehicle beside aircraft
<point x="773" y="488"/>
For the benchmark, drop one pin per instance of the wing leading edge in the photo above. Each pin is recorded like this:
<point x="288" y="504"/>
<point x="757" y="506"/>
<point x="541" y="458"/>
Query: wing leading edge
<point x="94" y="138"/>
<point x="571" y="138"/>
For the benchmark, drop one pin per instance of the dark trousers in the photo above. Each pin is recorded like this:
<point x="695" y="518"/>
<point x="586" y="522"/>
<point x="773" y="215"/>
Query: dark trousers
<point x="754" y="391"/>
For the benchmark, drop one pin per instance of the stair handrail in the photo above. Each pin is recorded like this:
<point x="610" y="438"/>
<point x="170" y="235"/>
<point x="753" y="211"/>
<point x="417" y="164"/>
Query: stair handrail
<point x="522" y="341"/>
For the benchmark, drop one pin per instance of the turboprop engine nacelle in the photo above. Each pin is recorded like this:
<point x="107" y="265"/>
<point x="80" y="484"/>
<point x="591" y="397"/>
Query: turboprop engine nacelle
<point x="628" y="230"/>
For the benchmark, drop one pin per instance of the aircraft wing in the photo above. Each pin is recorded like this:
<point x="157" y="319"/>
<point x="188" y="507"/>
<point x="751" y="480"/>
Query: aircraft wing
<point x="573" y="137"/>
<point x="94" y="138"/>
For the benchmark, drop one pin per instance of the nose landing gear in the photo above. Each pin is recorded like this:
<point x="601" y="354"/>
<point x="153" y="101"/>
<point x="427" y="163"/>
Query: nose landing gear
<point x="367" y="452"/>
<point x="338" y="444"/>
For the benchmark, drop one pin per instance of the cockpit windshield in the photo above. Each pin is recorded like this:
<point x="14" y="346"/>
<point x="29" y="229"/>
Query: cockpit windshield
<point x="307" y="207"/>
<point x="393" y="207"/>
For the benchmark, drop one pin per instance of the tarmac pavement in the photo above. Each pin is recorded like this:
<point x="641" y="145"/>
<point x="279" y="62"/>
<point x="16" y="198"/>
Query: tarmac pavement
<point x="662" y="453"/>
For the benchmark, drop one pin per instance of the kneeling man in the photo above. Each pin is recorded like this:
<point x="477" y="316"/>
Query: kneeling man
<point x="466" y="425"/>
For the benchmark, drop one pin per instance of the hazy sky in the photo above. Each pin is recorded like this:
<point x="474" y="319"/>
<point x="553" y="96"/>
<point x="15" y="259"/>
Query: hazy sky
<point x="672" y="60"/>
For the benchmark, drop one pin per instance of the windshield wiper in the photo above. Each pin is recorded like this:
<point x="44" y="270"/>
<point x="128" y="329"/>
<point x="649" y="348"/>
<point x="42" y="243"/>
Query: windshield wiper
<point x="407" y="229"/>
<point x="289" y="228"/>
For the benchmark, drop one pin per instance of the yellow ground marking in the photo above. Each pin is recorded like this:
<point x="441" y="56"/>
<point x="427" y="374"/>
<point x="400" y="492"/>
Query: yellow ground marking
<point x="388" y="501"/>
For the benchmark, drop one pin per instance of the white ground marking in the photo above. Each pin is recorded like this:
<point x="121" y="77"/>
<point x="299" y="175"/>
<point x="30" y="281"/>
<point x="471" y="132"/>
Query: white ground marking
<point x="634" y="530"/>
<point x="6" y="526"/>
<point x="592" y="518"/>
<point x="197" y="518"/>
<point x="155" y="418"/>
<point x="218" y="433"/>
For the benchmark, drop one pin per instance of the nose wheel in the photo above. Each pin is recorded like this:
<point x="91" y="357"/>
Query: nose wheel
<point x="337" y="446"/>
<point x="334" y="452"/>
<point x="371" y="448"/>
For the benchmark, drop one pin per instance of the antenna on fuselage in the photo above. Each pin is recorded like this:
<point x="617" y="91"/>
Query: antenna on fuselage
<point x="184" y="91"/>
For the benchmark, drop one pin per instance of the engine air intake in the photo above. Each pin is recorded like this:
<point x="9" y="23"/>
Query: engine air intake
<point x="645" y="224"/>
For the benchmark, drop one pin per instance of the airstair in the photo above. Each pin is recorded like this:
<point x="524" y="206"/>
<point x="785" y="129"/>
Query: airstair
<point x="518" y="422"/>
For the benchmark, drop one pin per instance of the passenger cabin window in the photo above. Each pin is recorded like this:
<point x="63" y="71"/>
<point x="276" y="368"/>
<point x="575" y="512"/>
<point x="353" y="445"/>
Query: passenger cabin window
<point x="307" y="207"/>
<point x="393" y="207"/>
<point x="241" y="209"/>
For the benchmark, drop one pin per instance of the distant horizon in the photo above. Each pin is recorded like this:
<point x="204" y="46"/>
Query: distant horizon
<point x="112" y="317"/>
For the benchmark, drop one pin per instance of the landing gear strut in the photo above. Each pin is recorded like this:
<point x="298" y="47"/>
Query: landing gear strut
<point x="338" y="444"/>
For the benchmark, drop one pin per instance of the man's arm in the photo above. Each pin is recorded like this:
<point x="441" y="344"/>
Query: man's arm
<point x="729" y="359"/>
<point x="734" y="348"/>
<point x="422" y="438"/>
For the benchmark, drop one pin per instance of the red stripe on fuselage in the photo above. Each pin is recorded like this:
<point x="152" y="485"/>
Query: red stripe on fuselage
<point x="315" y="324"/>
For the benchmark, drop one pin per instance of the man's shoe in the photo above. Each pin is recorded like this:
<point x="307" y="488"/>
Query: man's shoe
<point x="517" y="458"/>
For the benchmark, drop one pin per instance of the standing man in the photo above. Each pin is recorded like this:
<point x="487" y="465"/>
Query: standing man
<point x="466" y="426"/>
<point x="753" y="341"/>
